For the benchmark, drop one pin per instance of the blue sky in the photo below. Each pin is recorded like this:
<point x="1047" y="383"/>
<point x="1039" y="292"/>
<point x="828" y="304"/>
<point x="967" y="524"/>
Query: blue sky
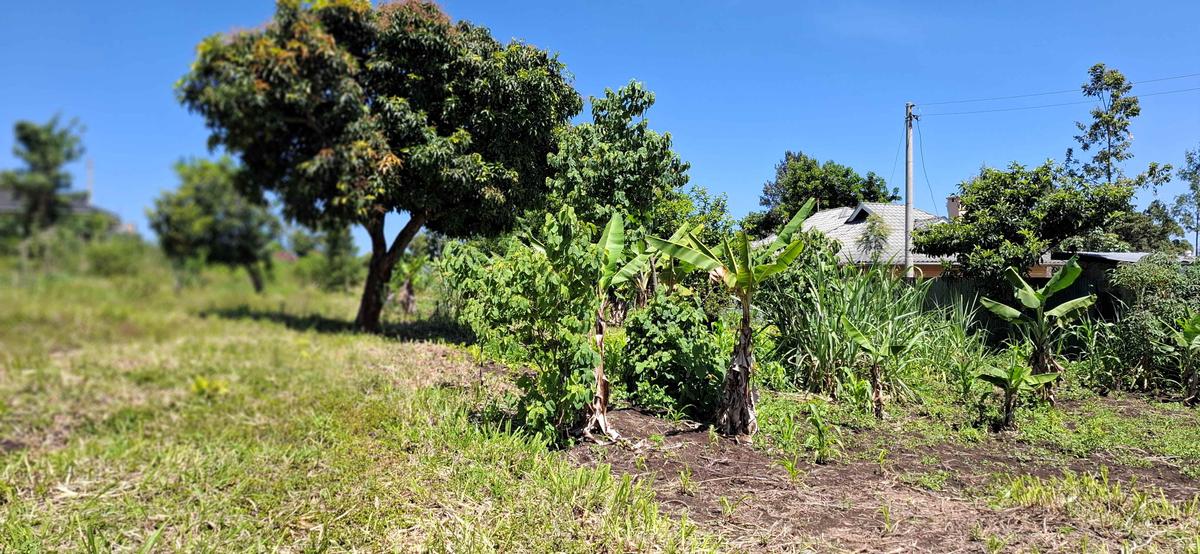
<point x="737" y="82"/>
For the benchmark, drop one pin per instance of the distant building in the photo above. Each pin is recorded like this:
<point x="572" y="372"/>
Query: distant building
<point x="848" y="225"/>
<point x="77" y="204"/>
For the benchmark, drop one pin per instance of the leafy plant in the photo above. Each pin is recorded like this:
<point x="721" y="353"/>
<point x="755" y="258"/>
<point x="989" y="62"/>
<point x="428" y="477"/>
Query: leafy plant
<point x="671" y="358"/>
<point x="1039" y="326"/>
<point x="889" y="343"/>
<point x="823" y="440"/>
<point x="1013" y="379"/>
<point x="741" y="272"/>
<point x="1186" y="346"/>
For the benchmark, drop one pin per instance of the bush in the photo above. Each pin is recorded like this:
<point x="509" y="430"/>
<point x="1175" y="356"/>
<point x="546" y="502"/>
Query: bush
<point x="535" y="306"/>
<point x="671" y="360"/>
<point x="118" y="255"/>
<point x="1156" y="292"/>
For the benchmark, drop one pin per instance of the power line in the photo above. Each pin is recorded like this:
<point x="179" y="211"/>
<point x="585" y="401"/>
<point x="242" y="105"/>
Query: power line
<point x="1049" y="93"/>
<point x="1019" y="108"/>
<point x="896" y="159"/>
<point x="921" y="141"/>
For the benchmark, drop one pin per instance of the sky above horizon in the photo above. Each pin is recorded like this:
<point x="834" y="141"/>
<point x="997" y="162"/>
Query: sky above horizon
<point x="737" y="83"/>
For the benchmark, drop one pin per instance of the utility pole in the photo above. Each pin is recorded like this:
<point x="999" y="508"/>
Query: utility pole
<point x="91" y="180"/>
<point x="908" y="190"/>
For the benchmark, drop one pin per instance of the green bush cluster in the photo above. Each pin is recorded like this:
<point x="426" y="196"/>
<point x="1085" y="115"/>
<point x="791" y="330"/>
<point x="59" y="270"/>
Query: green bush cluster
<point x="672" y="360"/>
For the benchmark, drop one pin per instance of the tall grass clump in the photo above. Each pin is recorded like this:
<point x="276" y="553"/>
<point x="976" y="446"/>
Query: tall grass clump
<point x="813" y="304"/>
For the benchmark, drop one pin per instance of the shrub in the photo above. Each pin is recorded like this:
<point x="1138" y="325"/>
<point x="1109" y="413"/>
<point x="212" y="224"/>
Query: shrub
<point x="119" y="255"/>
<point x="1156" y="292"/>
<point x="535" y="307"/>
<point x="671" y="360"/>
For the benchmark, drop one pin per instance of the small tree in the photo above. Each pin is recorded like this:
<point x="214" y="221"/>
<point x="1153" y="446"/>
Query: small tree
<point x="207" y="219"/>
<point x="41" y="185"/>
<point x="1187" y="205"/>
<point x="739" y="269"/>
<point x="1040" y="326"/>
<point x="891" y="342"/>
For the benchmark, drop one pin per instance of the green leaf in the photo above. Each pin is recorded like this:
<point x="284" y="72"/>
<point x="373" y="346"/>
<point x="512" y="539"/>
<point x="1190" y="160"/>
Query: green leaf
<point x="1003" y="310"/>
<point x="745" y="271"/>
<point x="695" y="243"/>
<point x="1063" y="278"/>
<point x="785" y="235"/>
<point x="1025" y="293"/>
<point x="1069" y="307"/>
<point x="684" y="254"/>
<point x="857" y="336"/>
<point x="1040" y="379"/>
<point x="630" y="269"/>
<point x="612" y="243"/>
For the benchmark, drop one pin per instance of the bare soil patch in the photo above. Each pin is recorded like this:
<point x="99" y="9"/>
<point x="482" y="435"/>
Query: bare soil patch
<point x="919" y="500"/>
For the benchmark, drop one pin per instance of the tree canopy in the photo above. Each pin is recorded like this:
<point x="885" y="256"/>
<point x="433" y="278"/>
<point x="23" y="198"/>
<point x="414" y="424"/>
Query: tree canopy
<point x="1013" y="216"/>
<point x="208" y="219"/>
<point x="348" y="113"/>
<point x="41" y="186"/>
<point x="799" y="177"/>
<point x="616" y="163"/>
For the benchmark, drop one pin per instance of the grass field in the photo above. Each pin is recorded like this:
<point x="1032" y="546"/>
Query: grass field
<point x="213" y="420"/>
<point x="138" y="418"/>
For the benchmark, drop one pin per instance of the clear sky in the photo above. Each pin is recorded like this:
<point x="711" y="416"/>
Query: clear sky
<point x="738" y="82"/>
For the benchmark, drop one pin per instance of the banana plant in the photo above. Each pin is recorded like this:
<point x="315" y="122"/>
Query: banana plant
<point x="1186" y="341"/>
<point x="891" y="345"/>
<point x="1039" y="326"/>
<point x="614" y="270"/>
<point x="734" y="269"/>
<point x="1014" y="379"/>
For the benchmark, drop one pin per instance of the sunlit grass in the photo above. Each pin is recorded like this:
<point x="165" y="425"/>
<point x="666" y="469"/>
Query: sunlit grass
<point x="211" y="419"/>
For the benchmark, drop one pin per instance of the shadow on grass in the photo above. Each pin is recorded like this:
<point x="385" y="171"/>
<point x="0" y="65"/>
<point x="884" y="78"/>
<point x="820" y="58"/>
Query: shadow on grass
<point x="436" y="329"/>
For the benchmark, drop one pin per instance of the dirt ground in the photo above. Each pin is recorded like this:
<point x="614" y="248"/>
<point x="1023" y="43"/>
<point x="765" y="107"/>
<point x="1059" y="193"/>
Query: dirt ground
<point x="857" y="504"/>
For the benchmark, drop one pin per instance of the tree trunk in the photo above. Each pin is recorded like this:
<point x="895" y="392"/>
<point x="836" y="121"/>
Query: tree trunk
<point x="408" y="297"/>
<point x="379" y="270"/>
<point x="1042" y="361"/>
<point x="598" y="409"/>
<point x="736" y="413"/>
<point x="256" y="277"/>
<point x="877" y="390"/>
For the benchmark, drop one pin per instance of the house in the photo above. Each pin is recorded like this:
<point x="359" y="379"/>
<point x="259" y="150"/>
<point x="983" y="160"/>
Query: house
<point x="76" y="204"/>
<point x="848" y="226"/>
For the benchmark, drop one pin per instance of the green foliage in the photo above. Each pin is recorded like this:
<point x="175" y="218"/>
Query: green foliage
<point x="823" y="439"/>
<point x="41" y="186"/>
<point x="208" y="219"/>
<point x="671" y="360"/>
<point x="347" y="112"/>
<point x="1013" y="379"/>
<point x="1108" y="133"/>
<point x="1185" y="346"/>
<point x="742" y="270"/>
<point x="799" y="178"/>
<point x="1042" y="326"/>
<point x="535" y="305"/>
<point x="1154" y="292"/>
<point x="885" y="347"/>
<point x="118" y="255"/>
<point x="1012" y="217"/>
<point x="615" y="164"/>
<point x="1187" y="205"/>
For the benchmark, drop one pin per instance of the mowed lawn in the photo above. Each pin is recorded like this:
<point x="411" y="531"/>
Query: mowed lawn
<point x="138" y="418"/>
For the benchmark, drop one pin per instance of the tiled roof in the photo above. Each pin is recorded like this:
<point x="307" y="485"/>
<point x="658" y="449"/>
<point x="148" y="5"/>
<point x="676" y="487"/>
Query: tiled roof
<point x="847" y="225"/>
